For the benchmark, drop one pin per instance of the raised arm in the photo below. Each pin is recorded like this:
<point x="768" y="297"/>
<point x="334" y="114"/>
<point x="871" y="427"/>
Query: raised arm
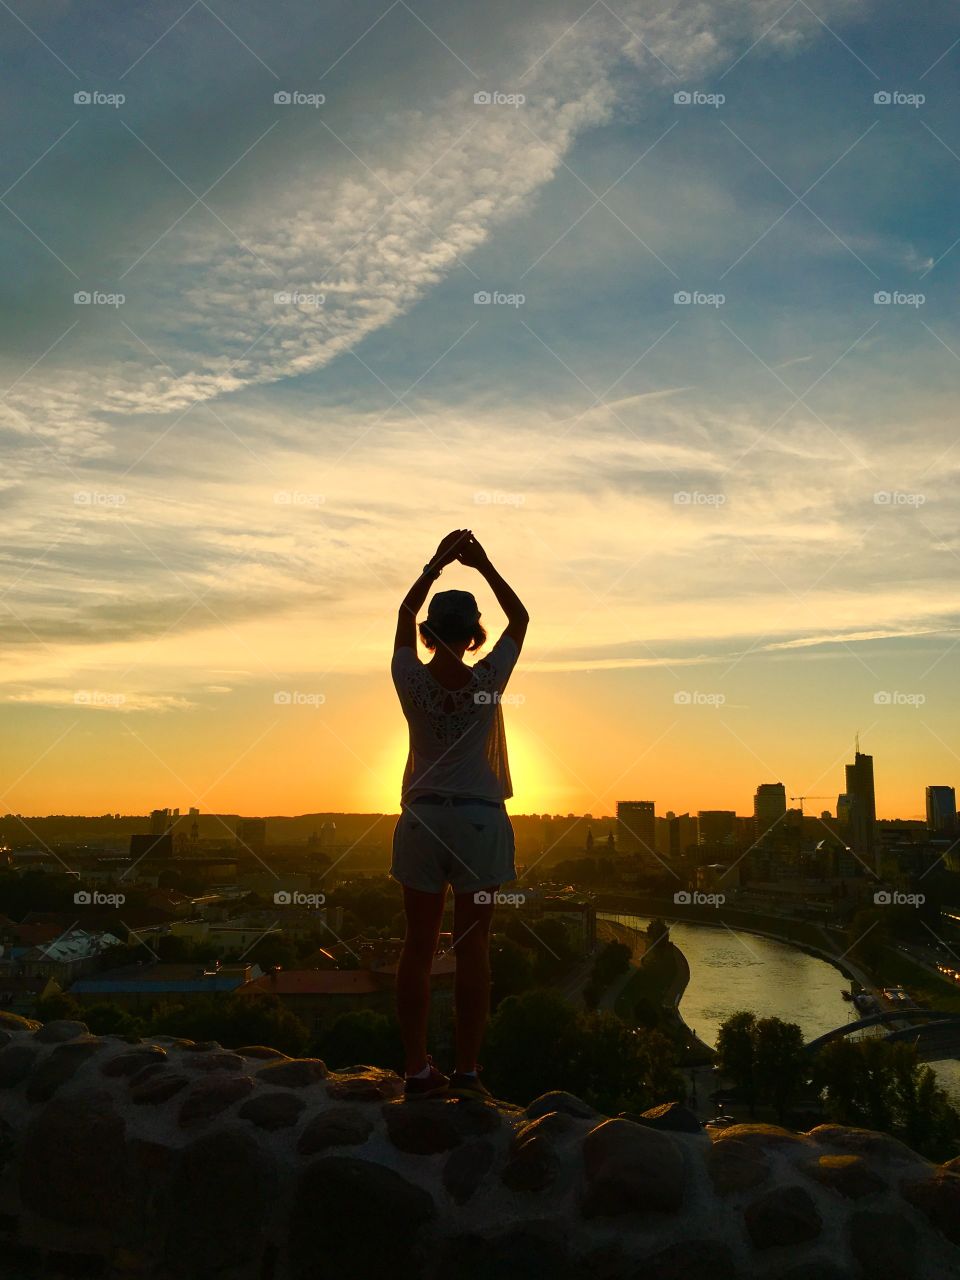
<point x="413" y="601"/>
<point x="473" y="554"/>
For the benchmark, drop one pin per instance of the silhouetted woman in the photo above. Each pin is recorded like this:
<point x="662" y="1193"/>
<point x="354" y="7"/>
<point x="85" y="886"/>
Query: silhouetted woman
<point x="453" y="829"/>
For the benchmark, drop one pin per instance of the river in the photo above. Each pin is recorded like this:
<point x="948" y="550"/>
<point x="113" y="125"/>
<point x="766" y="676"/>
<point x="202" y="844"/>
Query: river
<point x="731" y="970"/>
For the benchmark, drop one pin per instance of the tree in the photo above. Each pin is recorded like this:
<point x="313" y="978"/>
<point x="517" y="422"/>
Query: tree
<point x="361" y="1036"/>
<point x="612" y="962"/>
<point x="529" y="1041"/>
<point x="538" y="1042"/>
<point x="106" y="1019"/>
<point x="657" y="931"/>
<point x="57" y="1006"/>
<point x="781" y="1066"/>
<point x="234" y="1021"/>
<point x="736" y="1054"/>
<point x="511" y="968"/>
<point x="879" y="1085"/>
<point x="765" y="1058"/>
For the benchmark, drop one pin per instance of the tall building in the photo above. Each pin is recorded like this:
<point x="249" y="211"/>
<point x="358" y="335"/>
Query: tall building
<point x="151" y="846"/>
<point x="941" y="811"/>
<point x="863" y="807"/>
<point x="159" y="821"/>
<point x="769" y="810"/>
<point x="683" y="834"/>
<point x="717" y="827"/>
<point x="636" y="827"/>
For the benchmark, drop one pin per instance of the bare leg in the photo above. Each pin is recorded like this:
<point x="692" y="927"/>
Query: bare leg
<point x="471" y="939"/>
<point x="424" y="912"/>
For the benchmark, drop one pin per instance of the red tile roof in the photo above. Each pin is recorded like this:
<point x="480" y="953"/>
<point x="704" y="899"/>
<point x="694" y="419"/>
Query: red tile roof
<point x="314" y="982"/>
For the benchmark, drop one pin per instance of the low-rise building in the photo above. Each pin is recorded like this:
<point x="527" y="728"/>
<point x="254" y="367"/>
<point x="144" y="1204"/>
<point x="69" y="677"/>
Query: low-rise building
<point x="142" y="985"/>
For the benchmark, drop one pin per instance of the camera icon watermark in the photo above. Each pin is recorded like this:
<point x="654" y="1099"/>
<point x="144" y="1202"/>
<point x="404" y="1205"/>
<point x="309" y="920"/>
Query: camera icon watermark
<point x="697" y="98"/>
<point x="95" y="98"/>
<point x="295" y="98"/>
<point x="894" y="698"/>
<point x="697" y="498"/>
<point x="296" y="898"/>
<point x="896" y="298"/>
<point x="295" y="298"/>
<point x="492" y="298"/>
<point x="498" y="498"/>
<point x="486" y="898"/>
<point x="94" y="498"/>
<point x="487" y="698"/>
<point x="893" y="898"/>
<point x="697" y="298"/>
<point x="897" y="498"/>
<point x="98" y="698"/>
<point x="297" y="698"/>
<point x="97" y="298"/>
<point x="694" y="698"/>
<point x="695" y="898"/>
<point x="94" y="898"/>
<point x="896" y="98"/>
<point x="297" y="498"/>
<point x="494" y="98"/>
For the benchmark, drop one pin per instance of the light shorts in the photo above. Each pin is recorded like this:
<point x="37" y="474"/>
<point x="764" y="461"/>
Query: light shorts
<point x="468" y="846"/>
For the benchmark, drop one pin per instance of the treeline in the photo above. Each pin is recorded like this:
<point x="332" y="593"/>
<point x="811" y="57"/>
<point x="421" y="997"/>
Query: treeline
<point x="869" y="1083"/>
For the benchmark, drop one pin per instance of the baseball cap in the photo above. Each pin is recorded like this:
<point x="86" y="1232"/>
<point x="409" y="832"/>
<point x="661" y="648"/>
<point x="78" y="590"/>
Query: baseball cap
<point x="453" y="608"/>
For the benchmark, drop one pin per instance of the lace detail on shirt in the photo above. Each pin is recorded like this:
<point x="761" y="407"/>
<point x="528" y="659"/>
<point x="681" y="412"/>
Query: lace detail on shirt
<point x="452" y="712"/>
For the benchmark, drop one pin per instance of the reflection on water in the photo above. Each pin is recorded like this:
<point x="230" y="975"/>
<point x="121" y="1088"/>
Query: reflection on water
<point x="730" y="971"/>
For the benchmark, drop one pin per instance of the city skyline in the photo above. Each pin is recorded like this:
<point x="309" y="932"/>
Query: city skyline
<point x="630" y="293"/>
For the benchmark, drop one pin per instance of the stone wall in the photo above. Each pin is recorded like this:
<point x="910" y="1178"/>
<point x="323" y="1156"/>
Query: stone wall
<point x="166" y="1159"/>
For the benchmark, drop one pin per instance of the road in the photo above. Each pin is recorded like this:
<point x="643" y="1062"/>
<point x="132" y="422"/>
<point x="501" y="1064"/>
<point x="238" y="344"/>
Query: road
<point x="611" y="931"/>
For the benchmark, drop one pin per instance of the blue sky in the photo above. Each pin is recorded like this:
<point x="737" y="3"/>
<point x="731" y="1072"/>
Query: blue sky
<point x="210" y="493"/>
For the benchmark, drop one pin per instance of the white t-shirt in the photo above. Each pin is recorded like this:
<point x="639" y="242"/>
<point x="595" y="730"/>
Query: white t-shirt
<point x="457" y="741"/>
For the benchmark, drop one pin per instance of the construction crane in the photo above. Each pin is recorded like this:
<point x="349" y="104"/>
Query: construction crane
<point x="802" y="798"/>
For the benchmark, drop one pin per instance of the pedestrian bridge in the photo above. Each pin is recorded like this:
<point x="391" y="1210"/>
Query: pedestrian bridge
<point x="935" y="1032"/>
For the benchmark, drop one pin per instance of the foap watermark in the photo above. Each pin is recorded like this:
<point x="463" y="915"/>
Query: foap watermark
<point x="297" y="898"/>
<point x="694" y="698"/>
<point x="97" y="298"/>
<point x="492" y="298"/>
<point x="697" y="498"/>
<point x="97" y="98"/>
<point x="897" y="498"/>
<point x="894" y="898"/>
<point x="98" y="698"/>
<point x="94" y="898"/>
<point x="495" y="98"/>
<point x="498" y="498"/>
<point x="895" y="698"/>
<point x="296" y="698"/>
<point x="294" y="298"/>
<point x="696" y="298"/>
<point x="895" y="298"/>
<point x="897" y="98"/>
<point x="695" y="898"/>
<point x="297" y="498"/>
<point x="488" y="698"/>
<point x="297" y="98"/>
<point x="485" y="898"/>
<point x="697" y="98"/>
<point x="94" y="498"/>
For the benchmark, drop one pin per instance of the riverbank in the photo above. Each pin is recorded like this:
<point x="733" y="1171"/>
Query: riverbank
<point x="653" y="987"/>
<point x="803" y="934"/>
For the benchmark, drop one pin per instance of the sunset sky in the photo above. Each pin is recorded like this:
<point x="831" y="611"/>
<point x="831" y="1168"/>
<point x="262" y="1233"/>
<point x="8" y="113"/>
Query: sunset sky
<point x="733" y="520"/>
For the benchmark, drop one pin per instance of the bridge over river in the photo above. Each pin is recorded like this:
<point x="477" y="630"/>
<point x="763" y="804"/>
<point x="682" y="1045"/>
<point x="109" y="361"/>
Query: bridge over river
<point x="934" y="1032"/>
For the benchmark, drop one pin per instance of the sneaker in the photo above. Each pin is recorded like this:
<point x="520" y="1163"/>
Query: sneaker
<point x="467" y="1085"/>
<point x="429" y="1086"/>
